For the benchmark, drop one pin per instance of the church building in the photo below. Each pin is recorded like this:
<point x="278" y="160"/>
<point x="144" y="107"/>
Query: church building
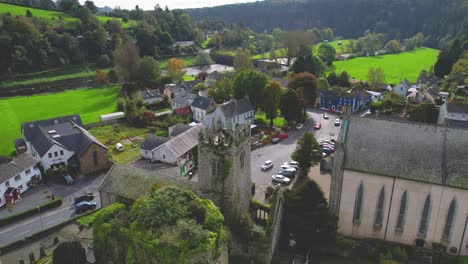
<point x="402" y="182"/>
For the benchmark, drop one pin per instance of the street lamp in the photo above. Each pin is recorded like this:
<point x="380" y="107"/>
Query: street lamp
<point x="40" y="217"/>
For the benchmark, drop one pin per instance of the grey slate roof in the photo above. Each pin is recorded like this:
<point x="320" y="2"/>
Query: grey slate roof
<point x="150" y="94"/>
<point x="457" y="108"/>
<point x="414" y="151"/>
<point x="183" y="96"/>
<point x="151" y="142"/>
<point x="178" y="129"/>
<point x="184" y="142"/>
<point x="202" y="102"/>
<point x="69" y="134"/>
<point x="16" y="166"/>
<point x="132" y="183"/>
<point x="236" y="107"/>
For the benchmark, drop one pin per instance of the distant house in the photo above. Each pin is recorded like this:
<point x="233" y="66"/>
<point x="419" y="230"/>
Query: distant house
<point x="63" y="141"/>
<point x="183" y="99"/>
<point x="453" y="114"/>
<point x="376" y="96"/>
<point x="171" y="90"/>
<point x="151" y="96"/>
<point x="184" y="43"/>
<point x="231" y="114"/>
<point x="177" y="151"/>
<point x="17" y="176"/>
<point x="384" y="86"/>
<point x="402" y="88"/>
<point x="188" y="85"/>
<point x="428" y="95"/>
<point x="200" y="106"/>
<point x="344" y="102"/>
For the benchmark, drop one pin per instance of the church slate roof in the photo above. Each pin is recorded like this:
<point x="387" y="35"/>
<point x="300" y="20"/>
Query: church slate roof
<point x="414" y="151"/>
<point x="202" y="102"/>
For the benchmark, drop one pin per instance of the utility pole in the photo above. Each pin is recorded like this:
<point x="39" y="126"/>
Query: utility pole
<point x="40" y="217"/>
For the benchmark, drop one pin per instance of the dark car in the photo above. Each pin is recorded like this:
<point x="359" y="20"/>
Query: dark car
<point x="287" y="173"/>
<point x="275" y="141"/>
<point x="84" y="197"/>
<point x="84" y="206"/>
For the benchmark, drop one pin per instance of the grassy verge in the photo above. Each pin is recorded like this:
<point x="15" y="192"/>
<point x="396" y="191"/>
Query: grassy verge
<point x="31" y="212"/>
<point x="280" y="53"/>
<point x="396" y="66"/>
<point x="85" y="73"/>
<point x="205" y="43"/>
<point x="87" y="219"/>
<point x="89" y="103"/>
<point x="335" y="44"/>
<point x="277" y="122"/>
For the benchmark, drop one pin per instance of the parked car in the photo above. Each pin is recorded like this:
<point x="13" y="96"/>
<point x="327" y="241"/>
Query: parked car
<point x="331" y="149"/>
<point x="84" y="197"/>
<point x="299" y="126"/>
<point x="325" y="116"/>
<point x="337" y="122"/>
<point x="317" y="126"/>
<point x="327" y="151"/>
<point x="288" y="173"/>
<point x="275" y="141"/>
<point x="267" y="165"/>
<point x="84" y="206"/>
<point x="286" y="167"/>
<point x="68" y="179"/>
<point x="280" y="179"/>
<point x="283" y="135"/>
<point x="292" y="163"/>
<point x="332" y="142"/>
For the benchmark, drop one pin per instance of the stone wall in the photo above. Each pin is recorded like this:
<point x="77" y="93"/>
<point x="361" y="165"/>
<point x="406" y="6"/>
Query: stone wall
<point x="87" y="164"/>
<point x="277" y="223"/>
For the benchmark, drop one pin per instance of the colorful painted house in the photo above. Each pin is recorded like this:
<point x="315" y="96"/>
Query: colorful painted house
<point x="343" y="102"/>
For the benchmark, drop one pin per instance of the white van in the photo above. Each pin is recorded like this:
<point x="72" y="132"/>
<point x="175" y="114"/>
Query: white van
<point x="119" y="147"/>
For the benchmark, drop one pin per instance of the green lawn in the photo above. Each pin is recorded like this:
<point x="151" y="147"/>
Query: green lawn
<point x="396" y="66"/>
<point x="188" y="62"/>
<point x="53" y="15"/>
<point x="89" y="103"/>
<point x="83" y="73"/>
<point x="227" y="52"/>
<point x="205" y="43"/>
<point x="338" y="48"/>
<point x="277" y="122"/>
<point x="280" y="53"/>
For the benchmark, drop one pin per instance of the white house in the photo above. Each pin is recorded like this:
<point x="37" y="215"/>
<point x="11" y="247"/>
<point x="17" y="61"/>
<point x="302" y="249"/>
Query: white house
<point x="200" y="106"/>
<point x="63" y="141"/>
<point x="453" y="114"/>
<point x="175" y="151"/>
<point x="402" y="88"/>
<point x="17" y="176"/>
<point x="231" y="114"/>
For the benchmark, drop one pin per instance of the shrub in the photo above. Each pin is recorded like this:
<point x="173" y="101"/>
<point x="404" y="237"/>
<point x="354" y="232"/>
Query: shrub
<point x="103" y="61"/>
<point x="113" y="77"/>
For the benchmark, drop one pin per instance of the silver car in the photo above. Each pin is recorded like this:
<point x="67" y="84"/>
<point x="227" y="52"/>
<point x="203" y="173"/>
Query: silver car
<point x="267" y="165"/>
<point x="280" y="179"/>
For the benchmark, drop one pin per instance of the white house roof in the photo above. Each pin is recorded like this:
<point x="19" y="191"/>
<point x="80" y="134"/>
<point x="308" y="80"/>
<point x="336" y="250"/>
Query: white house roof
<point x="184" y="142"/>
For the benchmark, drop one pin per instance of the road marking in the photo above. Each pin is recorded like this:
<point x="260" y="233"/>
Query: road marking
<point x="22" y="233"/>
<point x="33" y="220"/>
<point x="58" y="219"/>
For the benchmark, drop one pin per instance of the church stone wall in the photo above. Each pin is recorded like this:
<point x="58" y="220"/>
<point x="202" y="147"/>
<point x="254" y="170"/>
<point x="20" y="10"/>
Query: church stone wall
<point x="441" y="197"/>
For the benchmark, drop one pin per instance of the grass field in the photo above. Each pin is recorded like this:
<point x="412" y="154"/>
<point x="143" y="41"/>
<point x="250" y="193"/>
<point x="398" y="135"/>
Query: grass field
<point x="396" y="66"/>
<point x="338" y="48"/>
<point x="89" y="103"/>
<point x="84" y="73"/>
<point x="280" y="53"/>
<point x="205" y="43"/>
<point x="53" y="15"/>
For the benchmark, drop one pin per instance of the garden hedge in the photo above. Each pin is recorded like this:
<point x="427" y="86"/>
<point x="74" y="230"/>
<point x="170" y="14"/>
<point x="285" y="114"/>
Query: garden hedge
<point x="28" y="213"/>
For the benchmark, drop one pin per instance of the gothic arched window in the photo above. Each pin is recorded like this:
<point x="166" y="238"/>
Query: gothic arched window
<point x="214" y="168"/>
<point x="379" y="210"/>
<point x="425" y="216"/>
<point x="401" y="214"/>
<point x="358" y="204"/>
<point x="242" y="159"/>
<point x="449" y="220"/>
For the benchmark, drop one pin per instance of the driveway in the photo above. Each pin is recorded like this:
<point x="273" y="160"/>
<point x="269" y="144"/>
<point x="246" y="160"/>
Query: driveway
<point x="37" y="223"/>
<point x="281" y="152"/>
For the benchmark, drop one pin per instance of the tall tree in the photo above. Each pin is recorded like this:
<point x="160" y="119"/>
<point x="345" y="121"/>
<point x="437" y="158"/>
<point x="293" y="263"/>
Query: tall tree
<point x="308" y="153"/>
<point x="309" y="220"/>
<point x="202" y="59"/>
<point x="327" y="53"/>
<point x="148" y="72"/>
<point x="305" y="84"/>
<point x="252" y="84"/>
<point x="127" y="61"/>
<point x="375" y="76"/>
<point x="175" y="69"/>
<point x="221" y="91"/>
<point x="393" y="46"/>
<point x="271" y="100"/>
<point x="242" y="60"/>
<point x="291" y="106"/>
<point x="90" y="5"/>
<point x="343" y="79"/>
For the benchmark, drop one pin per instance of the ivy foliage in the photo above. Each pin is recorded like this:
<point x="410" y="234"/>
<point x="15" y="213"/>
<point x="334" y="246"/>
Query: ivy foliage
<point x="170" y="225"/>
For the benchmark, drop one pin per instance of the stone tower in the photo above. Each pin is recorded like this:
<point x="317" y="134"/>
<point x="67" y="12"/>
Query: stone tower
<point x="224" y="168"/>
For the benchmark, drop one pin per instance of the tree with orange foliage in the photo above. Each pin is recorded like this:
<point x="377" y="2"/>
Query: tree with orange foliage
<point x="101" y="78"/>
<point x="174" y="67"/>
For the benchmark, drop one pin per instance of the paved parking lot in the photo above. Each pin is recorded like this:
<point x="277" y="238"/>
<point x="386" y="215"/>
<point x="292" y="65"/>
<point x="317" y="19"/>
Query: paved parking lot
<point x="281" y="152"/>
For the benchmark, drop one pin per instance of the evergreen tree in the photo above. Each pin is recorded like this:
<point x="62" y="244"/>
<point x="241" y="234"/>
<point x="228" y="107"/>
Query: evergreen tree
<point x="70" y="252"/>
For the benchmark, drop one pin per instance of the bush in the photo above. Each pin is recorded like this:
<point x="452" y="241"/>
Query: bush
<point x="33" y="211"/>
<point x="113" y="77"/>
<point x="103" y="61"/>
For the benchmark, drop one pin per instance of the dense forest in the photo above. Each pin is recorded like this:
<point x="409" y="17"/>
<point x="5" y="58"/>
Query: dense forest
<point x="437" y="19"/>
